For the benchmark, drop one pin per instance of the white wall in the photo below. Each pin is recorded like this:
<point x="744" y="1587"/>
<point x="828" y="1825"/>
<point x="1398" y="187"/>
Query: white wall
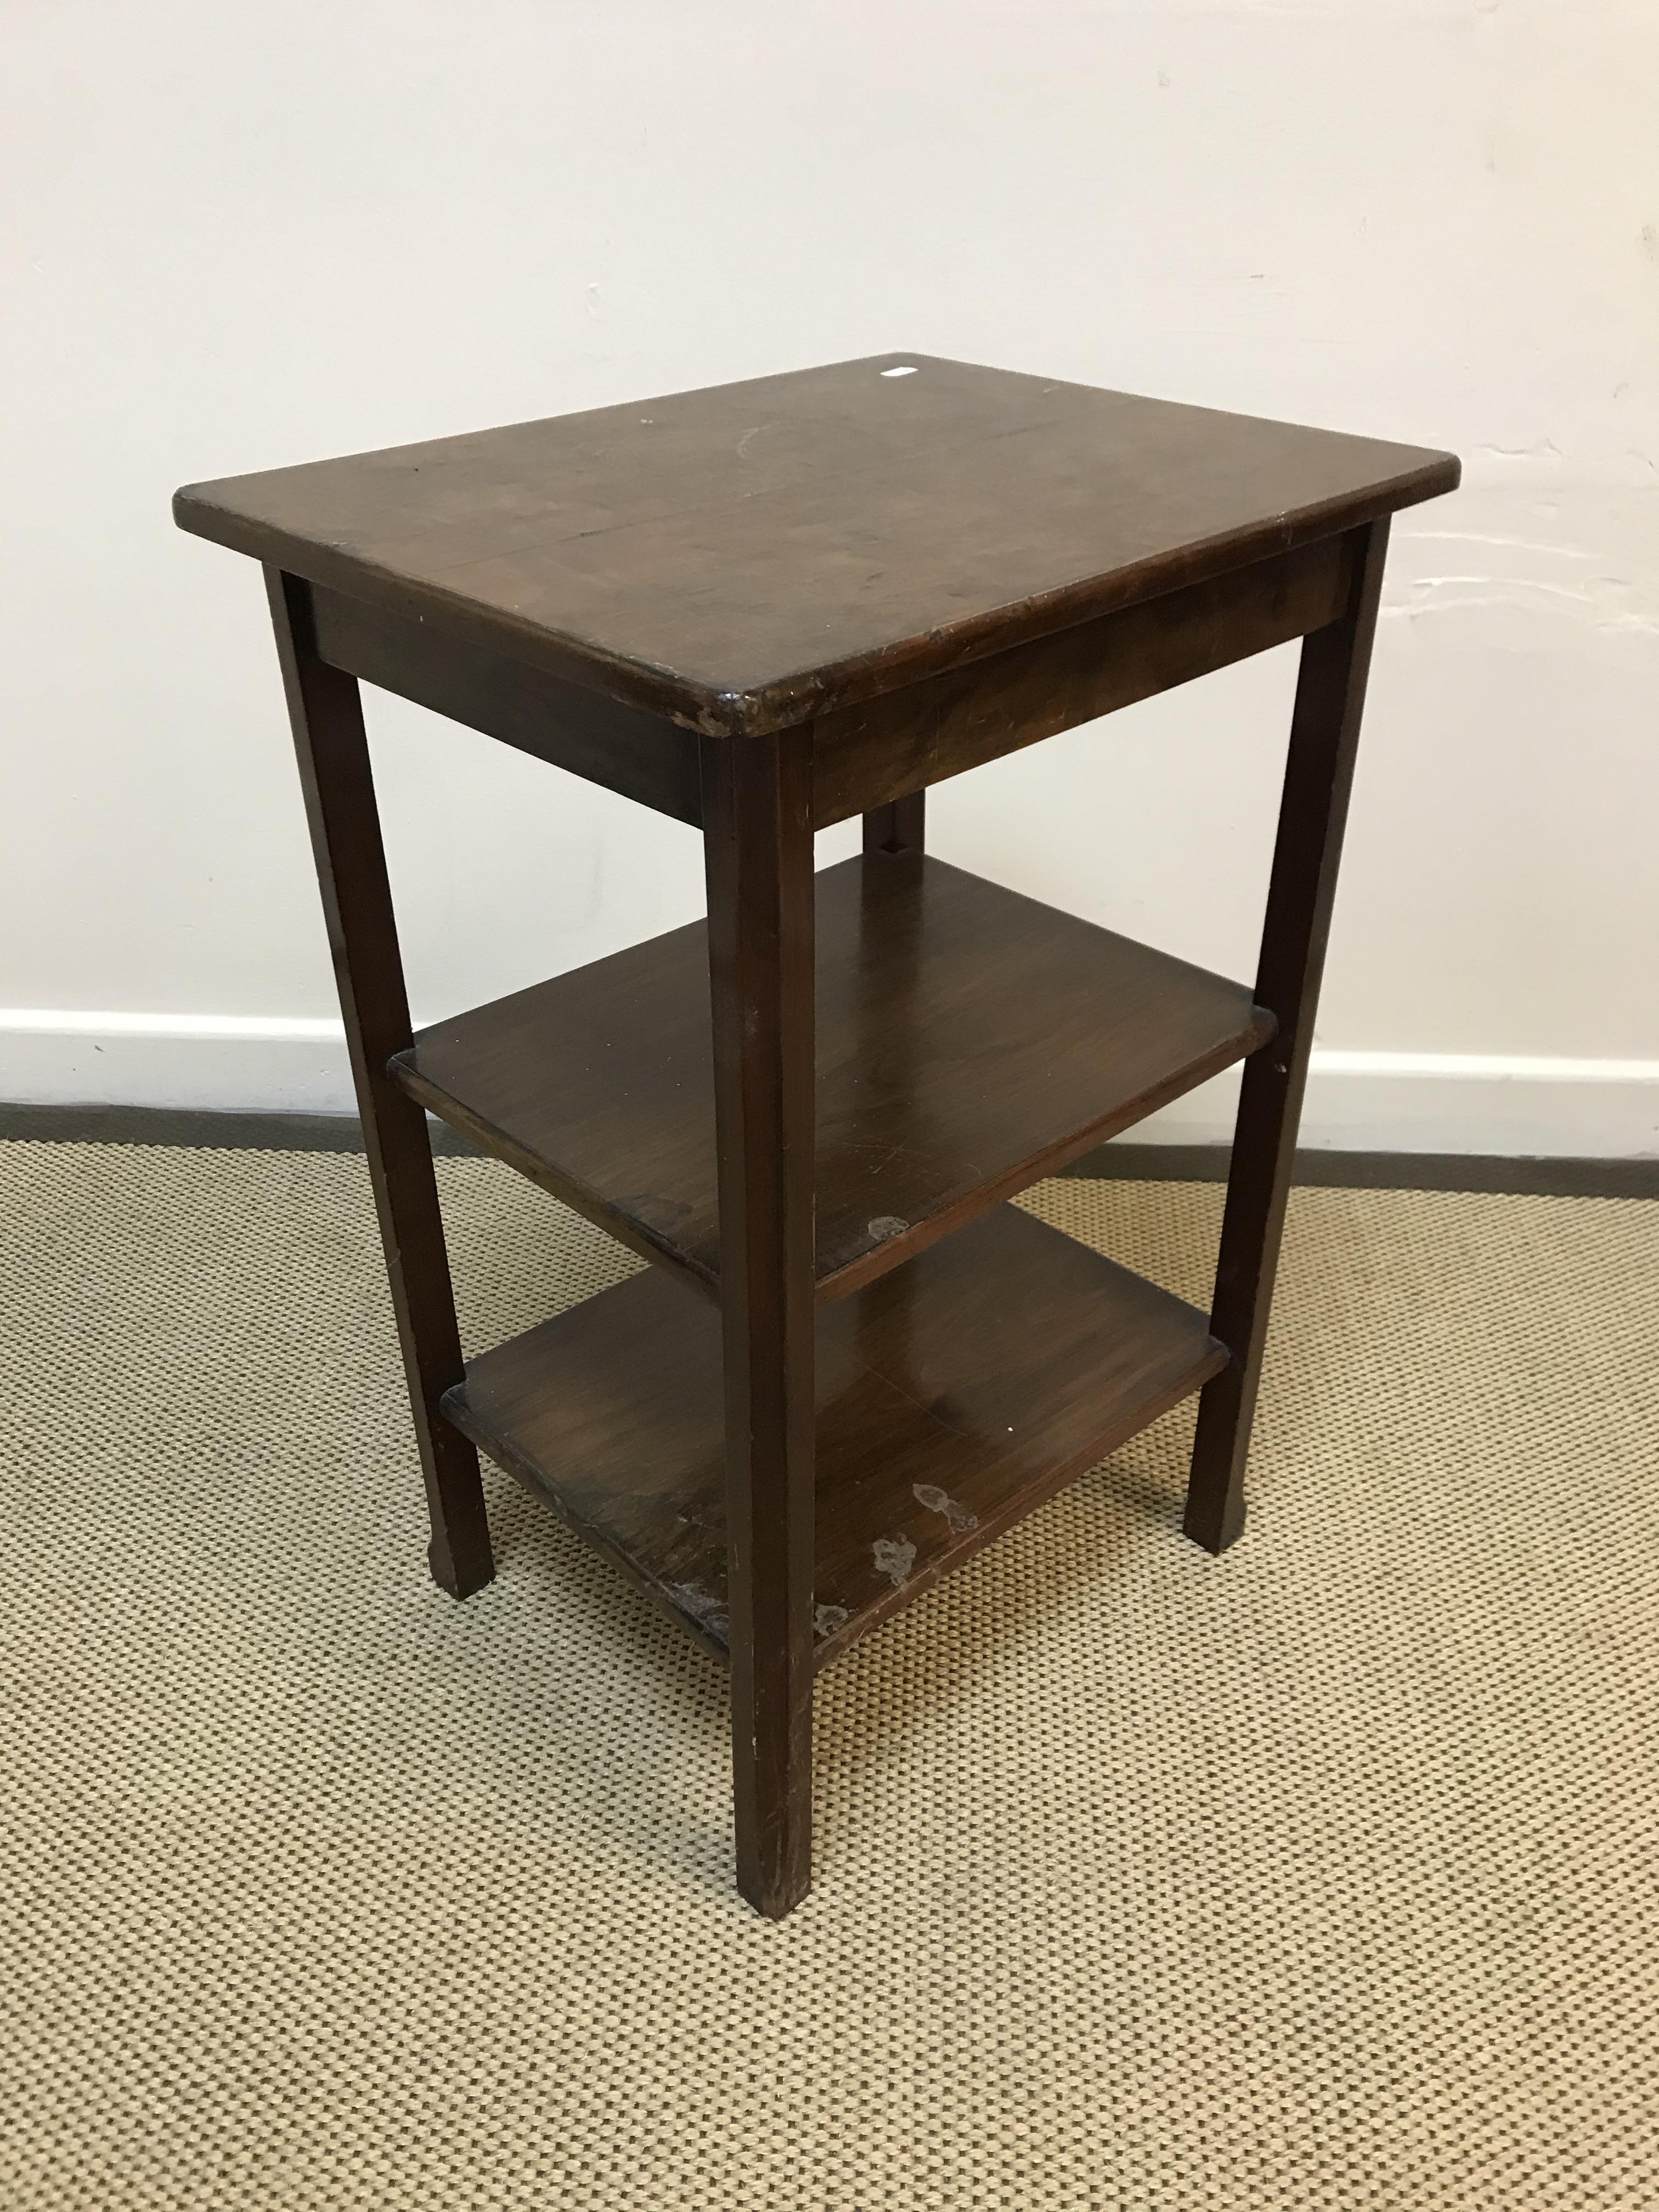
<point x="241" y="236"/>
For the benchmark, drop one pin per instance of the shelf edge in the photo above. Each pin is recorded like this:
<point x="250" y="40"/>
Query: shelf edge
<point x="457" y="1411"/>
<point x="1021" y="1504"/>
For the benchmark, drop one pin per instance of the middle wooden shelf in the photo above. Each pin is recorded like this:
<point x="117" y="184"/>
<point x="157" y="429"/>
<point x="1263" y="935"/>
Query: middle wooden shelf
<point x="969" y="1041"/>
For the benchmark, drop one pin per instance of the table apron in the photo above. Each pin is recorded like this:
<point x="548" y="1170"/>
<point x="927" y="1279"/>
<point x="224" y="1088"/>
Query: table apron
<point x="627" y="748"/>
<point x="867" y="756"/>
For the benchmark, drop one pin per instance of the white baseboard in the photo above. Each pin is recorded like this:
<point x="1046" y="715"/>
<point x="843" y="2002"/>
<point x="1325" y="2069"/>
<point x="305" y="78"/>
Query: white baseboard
<point x="230" y="1063"/>
<point x="1506" y="1105"/>
<point x="1401" y="1102"/>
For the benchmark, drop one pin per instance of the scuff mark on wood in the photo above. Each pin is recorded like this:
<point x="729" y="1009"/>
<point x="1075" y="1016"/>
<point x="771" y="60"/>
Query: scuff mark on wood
<point x="703" y="1607"/>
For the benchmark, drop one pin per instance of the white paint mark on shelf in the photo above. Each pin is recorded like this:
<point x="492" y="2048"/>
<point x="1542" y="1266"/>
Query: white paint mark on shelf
<point x="894" y="1556"/>
<point x="930" y="1495"/>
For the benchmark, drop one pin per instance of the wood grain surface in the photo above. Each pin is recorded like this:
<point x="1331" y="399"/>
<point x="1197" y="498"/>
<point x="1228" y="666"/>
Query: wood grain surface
<point x="952" y="1396"/>
<point x="969" y="1041"/>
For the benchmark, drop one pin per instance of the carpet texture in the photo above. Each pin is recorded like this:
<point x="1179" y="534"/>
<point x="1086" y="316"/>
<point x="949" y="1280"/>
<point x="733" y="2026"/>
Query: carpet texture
<point x="1323" y="1875"/>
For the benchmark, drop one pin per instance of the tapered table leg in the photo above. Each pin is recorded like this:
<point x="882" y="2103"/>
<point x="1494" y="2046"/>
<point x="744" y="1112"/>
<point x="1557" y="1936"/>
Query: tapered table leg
<point x="327" y="713"/>
<point x="758" y="837"/>
<point x="1319" y="773"/>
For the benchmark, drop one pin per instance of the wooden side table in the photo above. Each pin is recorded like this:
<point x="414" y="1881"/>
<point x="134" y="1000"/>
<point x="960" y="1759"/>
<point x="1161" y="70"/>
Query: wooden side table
<point x="761" y="609"/>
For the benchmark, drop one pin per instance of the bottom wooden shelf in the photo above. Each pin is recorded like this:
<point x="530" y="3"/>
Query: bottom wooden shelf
<point x="953" y="1395"/>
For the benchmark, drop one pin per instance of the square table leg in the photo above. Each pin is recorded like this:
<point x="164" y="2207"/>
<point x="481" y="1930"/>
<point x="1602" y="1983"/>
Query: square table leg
<point x="327" y="713"/>
<point x="757" y="816"/>
<point x="898" y="827"/>
<point x="1330" y="698"/>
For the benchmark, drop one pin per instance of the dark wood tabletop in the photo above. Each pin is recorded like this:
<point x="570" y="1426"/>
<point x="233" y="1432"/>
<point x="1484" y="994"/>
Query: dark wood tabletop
<point x="749" y="556"/>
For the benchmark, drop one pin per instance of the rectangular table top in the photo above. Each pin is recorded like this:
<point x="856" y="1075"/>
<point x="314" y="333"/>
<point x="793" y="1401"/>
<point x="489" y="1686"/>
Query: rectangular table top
<point x="744" y="557"/>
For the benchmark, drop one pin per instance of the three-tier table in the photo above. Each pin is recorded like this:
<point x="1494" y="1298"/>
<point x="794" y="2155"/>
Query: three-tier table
<point x="761" y="609"/>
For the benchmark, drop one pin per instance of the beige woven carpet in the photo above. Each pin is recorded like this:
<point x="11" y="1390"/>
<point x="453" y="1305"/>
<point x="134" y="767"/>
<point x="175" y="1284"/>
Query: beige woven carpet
<point x="1325" y="1875"/>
